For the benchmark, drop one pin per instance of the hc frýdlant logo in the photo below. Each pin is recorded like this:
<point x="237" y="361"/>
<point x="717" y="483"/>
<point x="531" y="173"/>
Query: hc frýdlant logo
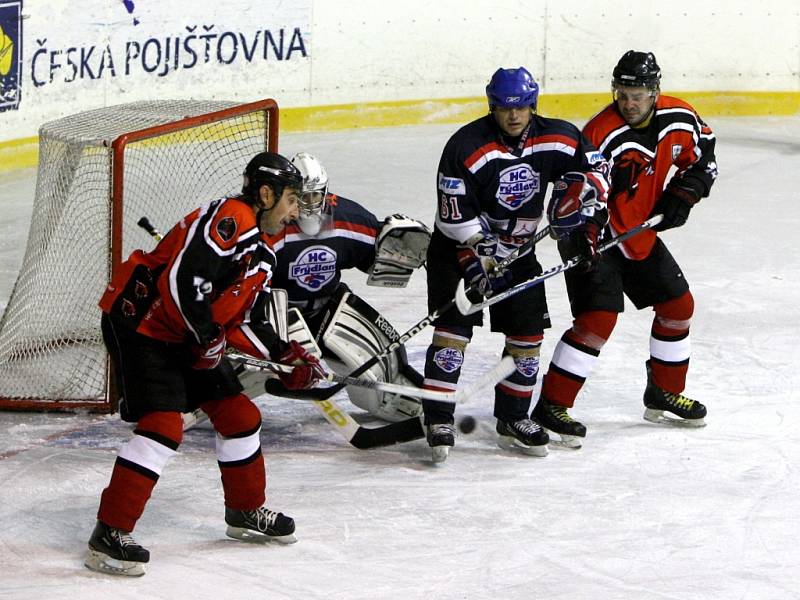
<point x="518" y="184"/>
<point x="314" y="267"/>
<point x="10" y="54"/>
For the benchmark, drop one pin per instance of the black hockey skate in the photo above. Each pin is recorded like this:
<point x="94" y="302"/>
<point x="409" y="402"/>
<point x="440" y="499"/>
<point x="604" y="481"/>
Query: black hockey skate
<point x="657" y="401"/>
<point x="259" y="525"/>
<point x="556" y="419"/>
<point x="523" y="435"/>
<point x="441" y="437"/>
<point x="115" y="552"/>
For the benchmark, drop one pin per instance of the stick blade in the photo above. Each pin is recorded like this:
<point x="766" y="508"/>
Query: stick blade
<point x="388" y="435"/>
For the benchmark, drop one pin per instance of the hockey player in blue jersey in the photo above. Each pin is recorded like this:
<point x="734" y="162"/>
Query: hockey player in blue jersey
<point x="333" y="234"/>
<point x="492" y="180"/>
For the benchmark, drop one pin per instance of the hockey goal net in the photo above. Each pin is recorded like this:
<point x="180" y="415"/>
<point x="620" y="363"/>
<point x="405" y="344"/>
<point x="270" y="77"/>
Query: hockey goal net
<point x="99" y="172"/>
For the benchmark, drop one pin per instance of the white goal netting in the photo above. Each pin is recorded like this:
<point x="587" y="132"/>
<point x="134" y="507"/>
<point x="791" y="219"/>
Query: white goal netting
<point x="99" y="172"/>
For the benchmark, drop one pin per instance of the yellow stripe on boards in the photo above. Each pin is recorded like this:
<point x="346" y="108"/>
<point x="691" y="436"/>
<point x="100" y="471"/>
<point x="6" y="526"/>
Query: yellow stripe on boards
<point x="22" y="153"/>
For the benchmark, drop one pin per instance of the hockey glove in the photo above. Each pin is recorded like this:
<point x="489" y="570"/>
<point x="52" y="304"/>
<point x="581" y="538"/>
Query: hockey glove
<point x="209" y="355"/>
<point x="481" y="274"/>
<point x="675" y="204"/>
<point x="573" y="202"/>
<point x="586" y="239"/>
<point x="307" y="369"/>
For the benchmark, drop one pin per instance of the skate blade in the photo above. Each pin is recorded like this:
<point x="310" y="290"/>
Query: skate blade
<point x="439" y="454"/>
<point x="512" y="444"/>
<point x="102" y="563"/>
<point x="655" y="415"/>
<point x="572" y="442"/>
<point x="248" y="535"/>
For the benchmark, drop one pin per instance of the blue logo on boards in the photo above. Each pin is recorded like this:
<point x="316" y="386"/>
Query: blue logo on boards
<point x="10" y="54"/>
<point x="314" y="267"/>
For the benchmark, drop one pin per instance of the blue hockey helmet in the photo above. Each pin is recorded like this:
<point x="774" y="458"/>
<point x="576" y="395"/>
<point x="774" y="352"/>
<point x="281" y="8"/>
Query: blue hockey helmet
<point x="512" y="88"/>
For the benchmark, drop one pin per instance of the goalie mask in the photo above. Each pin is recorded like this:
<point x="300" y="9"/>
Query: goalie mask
<point x="313" y="195"/>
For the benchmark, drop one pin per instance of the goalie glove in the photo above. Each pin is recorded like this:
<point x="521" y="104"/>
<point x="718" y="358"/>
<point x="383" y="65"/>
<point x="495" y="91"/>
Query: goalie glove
<point x="401" y="247"/>
<point x="481" y="273"/>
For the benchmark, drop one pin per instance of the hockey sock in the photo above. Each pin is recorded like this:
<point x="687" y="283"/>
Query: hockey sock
<point x="670" y="346"/>
<point x="512" y="395"/>
<point x="237" y="422"/>
<point x="575" y="356"/>
<point x="139" y="464"/>
<point x="443" y="362"/>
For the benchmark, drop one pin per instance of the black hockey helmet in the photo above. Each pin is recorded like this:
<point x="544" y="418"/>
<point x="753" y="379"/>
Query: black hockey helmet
<point x="637" y="69"/>
<point x="274" y="170"/>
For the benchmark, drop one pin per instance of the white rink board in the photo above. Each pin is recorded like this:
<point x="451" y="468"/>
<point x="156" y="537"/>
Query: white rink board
<point x="313" y="53"/>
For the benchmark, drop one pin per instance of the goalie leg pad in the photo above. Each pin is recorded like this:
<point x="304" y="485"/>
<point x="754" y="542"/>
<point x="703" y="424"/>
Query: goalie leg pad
<point x="355" y="333"/>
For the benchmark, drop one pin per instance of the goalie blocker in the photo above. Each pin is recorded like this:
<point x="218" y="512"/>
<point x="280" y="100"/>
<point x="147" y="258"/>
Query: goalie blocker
<point x="351" y="333"/>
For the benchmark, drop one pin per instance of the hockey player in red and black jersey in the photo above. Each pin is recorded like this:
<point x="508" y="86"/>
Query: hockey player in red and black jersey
<point x="332" y="234"/>
<point x="492" y="179"/>
<point x="167" y="317"/>
<point x="643" y="135"/>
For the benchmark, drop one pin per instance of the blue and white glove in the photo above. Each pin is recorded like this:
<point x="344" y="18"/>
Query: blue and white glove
<point x="574" y="201"/>
<point x="479" y="265"/>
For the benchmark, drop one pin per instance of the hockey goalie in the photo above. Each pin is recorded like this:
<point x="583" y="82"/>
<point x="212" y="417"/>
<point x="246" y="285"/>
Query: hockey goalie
<point x="333" y="234"/>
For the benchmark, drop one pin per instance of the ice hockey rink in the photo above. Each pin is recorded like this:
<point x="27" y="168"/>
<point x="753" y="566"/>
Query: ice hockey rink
<point x="642" y="511"/>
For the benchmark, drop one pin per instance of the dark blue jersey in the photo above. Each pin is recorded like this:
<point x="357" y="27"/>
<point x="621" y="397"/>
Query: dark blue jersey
<point x="309" y="268"/>
<point x="487" y="182"/>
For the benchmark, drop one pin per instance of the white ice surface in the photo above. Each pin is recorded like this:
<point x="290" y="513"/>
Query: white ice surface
<point x="641" y="512"/>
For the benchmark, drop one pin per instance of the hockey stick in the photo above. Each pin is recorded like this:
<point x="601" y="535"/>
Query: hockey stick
<point x="380" y="386"/>
<point x="431" y="317"/>
<point x="407" y="430"/>
<point x="500" y="371"/>
<point x="466" y="307"/>
<point x="360" y="437"/>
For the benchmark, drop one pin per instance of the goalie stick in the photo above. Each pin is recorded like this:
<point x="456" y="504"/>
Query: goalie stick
<point x="467" y="307"/>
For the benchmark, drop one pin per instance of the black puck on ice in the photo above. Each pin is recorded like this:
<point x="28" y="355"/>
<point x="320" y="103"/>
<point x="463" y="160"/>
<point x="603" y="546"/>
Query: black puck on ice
<point x="467" y="424"/>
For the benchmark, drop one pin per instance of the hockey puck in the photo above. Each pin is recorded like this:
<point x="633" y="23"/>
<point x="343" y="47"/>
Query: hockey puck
<point x="467" y="424"/>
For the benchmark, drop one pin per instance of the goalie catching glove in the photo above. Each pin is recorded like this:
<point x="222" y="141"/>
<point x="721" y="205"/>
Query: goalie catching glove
<point x="307" y="370"/>
<point x="576" y="212"/>
<point x="401" y="247"/>
<point x="481" y="274"/>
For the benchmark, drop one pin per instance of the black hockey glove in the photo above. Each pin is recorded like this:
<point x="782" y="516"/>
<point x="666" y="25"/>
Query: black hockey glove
<point x="586" y="239"/>
<point x="675" y="204"/>
<point x="479" y="266"/>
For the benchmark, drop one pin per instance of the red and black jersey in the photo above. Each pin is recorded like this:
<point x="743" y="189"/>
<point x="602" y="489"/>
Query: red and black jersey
<point x="214" y="266"/>
<point x="641" y="160"/>
<point x="487" y="182"/>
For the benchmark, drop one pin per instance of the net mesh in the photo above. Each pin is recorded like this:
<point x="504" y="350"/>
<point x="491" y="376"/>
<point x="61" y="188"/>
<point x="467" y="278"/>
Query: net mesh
<point x="51" y="348"/>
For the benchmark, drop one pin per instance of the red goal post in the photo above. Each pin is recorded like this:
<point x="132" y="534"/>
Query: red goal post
<point x="99" y="172"/>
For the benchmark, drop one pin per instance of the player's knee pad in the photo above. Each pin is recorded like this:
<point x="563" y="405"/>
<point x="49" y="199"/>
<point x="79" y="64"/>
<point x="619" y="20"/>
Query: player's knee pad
<point x="354" y="334"/>
<point x="234" y="416"/>
<point x="593" y="328"/>
<point x="168" y="426"/>
<point x="675" y="314"/>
